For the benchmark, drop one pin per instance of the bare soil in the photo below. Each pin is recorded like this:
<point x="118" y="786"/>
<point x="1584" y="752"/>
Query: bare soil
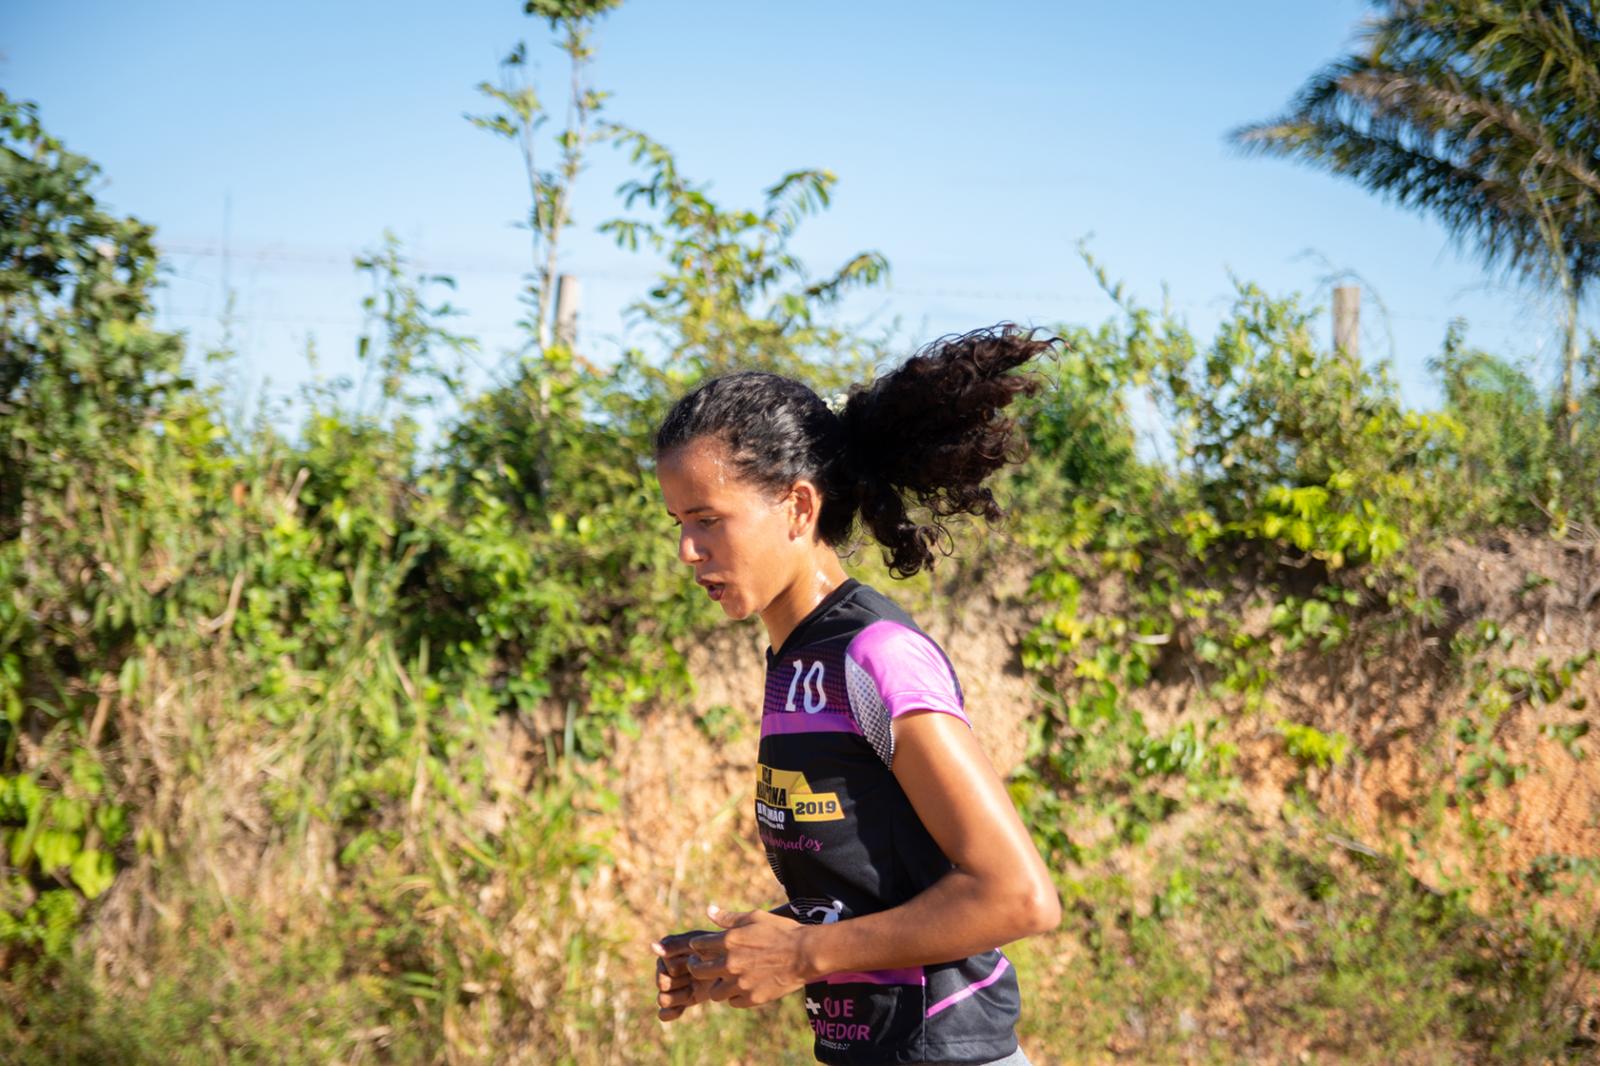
<point x="685" y="836"/>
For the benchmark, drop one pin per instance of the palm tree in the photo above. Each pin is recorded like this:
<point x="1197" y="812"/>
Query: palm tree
<point x="1484" y="113"/>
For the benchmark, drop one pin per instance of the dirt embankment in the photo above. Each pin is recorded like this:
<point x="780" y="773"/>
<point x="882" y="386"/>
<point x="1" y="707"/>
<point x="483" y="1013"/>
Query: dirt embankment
<point x="1399" y="713"/>
<point x="684" y="836"/>
<point x="682" y="833"/>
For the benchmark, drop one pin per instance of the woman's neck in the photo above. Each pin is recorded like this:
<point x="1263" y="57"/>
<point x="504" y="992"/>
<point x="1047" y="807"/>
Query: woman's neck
<point x="816" y="580"/>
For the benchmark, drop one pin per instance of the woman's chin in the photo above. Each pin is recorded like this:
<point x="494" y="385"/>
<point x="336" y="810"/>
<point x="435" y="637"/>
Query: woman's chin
<point x="733" y="605"/>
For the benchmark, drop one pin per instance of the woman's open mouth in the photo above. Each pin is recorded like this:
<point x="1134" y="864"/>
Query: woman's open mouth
<point x="713" y="588"/>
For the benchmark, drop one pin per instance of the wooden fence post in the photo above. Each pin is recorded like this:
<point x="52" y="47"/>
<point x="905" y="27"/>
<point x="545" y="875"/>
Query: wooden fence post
<point x="1347" y="321"/>
<point x="569" y="294"/>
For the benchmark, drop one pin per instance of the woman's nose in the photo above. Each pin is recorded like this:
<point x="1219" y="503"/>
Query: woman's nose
<point x="688" y="550"/>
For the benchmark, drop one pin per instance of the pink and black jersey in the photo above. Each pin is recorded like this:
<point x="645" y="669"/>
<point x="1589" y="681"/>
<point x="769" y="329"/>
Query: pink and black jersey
<point x="844" y="840"/>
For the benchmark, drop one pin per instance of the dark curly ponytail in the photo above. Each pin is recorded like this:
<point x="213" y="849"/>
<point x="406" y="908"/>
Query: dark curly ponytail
<point x="927" y="434"/>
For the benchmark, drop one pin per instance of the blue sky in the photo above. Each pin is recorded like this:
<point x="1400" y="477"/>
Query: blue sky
<point x="974" y="144"/>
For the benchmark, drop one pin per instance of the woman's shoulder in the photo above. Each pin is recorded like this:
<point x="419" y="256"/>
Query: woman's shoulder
<point x="874" y="602"/>
<point x="869" y="624"/>
<point x="894" y="667"/>
<point x="888" y="634"/>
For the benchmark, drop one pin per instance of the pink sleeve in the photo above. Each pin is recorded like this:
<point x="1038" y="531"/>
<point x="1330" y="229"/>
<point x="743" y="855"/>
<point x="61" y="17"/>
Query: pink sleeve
<point x="905" y="669"/>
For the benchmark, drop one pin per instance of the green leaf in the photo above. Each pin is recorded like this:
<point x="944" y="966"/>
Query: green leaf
<point x="55" y="848"/>
<point x="93" y="872"/>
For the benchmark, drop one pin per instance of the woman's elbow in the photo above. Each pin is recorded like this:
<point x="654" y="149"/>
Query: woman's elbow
<point x="1036" y="909"/>
<point x="1043" y="908"/>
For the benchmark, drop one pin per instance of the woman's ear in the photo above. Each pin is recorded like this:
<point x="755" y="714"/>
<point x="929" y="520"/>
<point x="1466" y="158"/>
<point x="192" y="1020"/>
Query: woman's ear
<point x="805" y="503"/>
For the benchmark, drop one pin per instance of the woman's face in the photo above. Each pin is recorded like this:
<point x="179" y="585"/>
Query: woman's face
<point x="735" y="536"/>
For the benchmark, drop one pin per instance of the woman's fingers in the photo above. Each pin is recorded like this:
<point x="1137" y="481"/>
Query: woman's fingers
<point x="667" y="982"/>
<point x="677" y="943"/>
<point x="707" y="968"/>
<point x="707" y="944"/>
<point x="671" y="1003"/>
<point x="677" y="987"/>
<point x="677" y="966"/>
<point x="678" y="997"/>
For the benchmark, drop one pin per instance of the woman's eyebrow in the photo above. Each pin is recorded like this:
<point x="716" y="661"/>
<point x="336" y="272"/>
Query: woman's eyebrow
<point x="696" y="509"/>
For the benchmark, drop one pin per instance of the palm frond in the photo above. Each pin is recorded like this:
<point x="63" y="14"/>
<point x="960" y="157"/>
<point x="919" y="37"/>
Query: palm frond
<point x="1483" y="113"/>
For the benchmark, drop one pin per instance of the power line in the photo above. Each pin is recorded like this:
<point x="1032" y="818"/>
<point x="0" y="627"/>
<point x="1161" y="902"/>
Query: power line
<point x="453" y="265"/>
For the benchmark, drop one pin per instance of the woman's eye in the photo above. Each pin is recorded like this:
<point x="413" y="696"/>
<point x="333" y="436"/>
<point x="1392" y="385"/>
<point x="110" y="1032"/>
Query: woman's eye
<point x="708" y="522"/>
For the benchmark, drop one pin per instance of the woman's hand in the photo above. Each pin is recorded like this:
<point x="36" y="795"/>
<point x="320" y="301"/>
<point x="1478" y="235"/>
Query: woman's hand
<point x="757" y="958"/>
<point x="676" y="988"/>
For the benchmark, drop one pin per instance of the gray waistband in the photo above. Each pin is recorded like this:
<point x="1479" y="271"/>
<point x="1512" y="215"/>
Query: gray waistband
<point x="1016" y="1058"/>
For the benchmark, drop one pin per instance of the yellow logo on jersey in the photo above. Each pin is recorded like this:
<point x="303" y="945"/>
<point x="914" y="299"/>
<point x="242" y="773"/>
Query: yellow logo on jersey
<point x="779" y="791"/>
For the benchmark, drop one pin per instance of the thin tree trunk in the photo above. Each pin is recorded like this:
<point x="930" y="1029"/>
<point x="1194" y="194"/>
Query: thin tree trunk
<point x="1568" y="424"/>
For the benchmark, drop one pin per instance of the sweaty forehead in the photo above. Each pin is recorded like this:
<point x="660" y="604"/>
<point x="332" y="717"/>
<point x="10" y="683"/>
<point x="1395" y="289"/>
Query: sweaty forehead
<point x="704" y="473"/>
<point x="700" y="474"/>
<point x="705" y="461"/>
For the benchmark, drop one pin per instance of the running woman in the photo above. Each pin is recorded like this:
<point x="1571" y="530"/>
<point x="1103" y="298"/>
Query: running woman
<point x="905" y="865"/>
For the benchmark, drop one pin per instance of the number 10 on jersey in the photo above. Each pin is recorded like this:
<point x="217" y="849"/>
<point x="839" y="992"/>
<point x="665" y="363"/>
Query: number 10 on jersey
<point x="810" y="688"/>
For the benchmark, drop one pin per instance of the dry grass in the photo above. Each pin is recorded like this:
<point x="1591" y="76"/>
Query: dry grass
<point x="491" y="920"/>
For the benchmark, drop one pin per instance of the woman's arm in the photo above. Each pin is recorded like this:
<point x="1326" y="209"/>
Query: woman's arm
<point x="999" y="889"/>
<point x="997" y="892"/>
